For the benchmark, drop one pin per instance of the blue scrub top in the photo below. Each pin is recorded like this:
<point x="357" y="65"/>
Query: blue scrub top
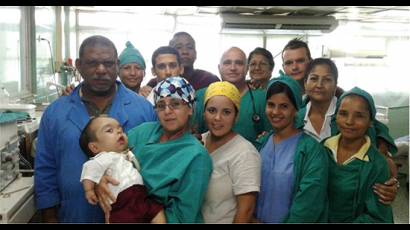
<point x="277" y="181"/>
<point x="59" y="158"/>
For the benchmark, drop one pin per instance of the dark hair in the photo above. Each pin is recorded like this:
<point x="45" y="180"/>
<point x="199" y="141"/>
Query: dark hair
<point x="88" y="136"/>
<point x="296" y="44"/>
<point x="279" y="87"/>
<point x="165" y="50"/>
<point x="182" y="33"/>
<point x="264" y="52"/>
<point x="322" y="61"/>
<point x="93" y="41"/>
<point x="236" y="109"/>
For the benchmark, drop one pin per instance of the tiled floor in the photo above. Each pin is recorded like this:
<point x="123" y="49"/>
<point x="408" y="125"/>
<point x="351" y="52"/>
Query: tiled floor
<point x="401" y="203"/>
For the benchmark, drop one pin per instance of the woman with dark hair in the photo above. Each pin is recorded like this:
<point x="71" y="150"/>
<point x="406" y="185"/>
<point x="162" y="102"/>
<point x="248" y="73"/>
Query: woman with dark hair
<point x="320" y="88"/>
<point x="175" y="166"/>
<point x="235" y="180"/>
<point x="318" y="117"/>
<point x="355" y="164"/>
<point x="294" y="166"/>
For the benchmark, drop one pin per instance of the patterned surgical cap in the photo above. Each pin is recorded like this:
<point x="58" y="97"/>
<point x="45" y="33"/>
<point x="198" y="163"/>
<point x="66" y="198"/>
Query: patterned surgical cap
<point x="175" y="87"/>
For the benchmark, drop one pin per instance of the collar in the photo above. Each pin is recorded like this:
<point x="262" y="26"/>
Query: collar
<point x="157" y="132"/>
<point x="78" y="109"/>
<point x="80" y="91"/>
<point x="330" y="111"/>
<point x="333" y="143"/>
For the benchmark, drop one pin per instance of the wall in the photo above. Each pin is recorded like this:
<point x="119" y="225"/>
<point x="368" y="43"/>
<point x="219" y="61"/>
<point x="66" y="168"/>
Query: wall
<point x="399" y="121"/>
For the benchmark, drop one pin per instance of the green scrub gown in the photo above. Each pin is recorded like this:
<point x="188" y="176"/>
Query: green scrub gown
<point x="175" y="172"/>
<point x="310" y="201"/>
<point x="351" y="196"/>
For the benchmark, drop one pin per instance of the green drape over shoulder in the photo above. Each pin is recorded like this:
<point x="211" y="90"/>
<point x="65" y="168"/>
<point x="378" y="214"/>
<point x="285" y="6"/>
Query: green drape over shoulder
<point x="176" y="172"/>
<point x="357" y="178"/>
<point x="310" y="201"/>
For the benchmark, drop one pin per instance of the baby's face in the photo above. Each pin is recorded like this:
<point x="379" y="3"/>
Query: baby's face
<point x="109" y="134"/>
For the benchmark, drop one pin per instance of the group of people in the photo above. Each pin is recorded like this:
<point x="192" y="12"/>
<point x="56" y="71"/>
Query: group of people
<point x="189" y="148"/>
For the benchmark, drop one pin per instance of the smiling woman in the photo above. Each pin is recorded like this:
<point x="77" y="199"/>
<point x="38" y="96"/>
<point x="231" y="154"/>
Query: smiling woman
<point x="261" y="65"/>
<point x="132" y="67"/>
<point x="355" y="165"/>
<point x="235" y="180"/>
<point x="174" y="165"/>
<point x="294" y="165"/>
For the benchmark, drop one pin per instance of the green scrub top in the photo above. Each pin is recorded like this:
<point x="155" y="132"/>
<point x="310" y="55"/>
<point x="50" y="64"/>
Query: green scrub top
<point x="310" y="199"/>
<point x="351" y="196"/>
<point x="176" y="172"/>
<point x="244" y="125"/>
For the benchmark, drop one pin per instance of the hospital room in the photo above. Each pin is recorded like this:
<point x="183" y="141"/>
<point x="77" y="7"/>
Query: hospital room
<point x="204" y="114"/>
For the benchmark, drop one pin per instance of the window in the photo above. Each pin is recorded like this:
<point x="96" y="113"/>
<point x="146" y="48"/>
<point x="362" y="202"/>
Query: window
<point x="10" y="70"/>
<point x="145" y="37"/>
<point x="45" y="54"/>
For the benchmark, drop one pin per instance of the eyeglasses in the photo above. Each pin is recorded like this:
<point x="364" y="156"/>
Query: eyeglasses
<point x="95" y="64"/>
<point x="173" y="105"/>
<point x="260" y="64"/>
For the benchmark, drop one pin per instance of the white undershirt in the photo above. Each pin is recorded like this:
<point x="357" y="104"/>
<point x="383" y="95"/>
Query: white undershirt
<point x="325" y="131"/>
<point x="150" y="98"/>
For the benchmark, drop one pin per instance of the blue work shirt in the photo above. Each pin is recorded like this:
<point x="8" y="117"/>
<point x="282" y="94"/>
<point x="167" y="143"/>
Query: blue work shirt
<point x="59" y="158"/>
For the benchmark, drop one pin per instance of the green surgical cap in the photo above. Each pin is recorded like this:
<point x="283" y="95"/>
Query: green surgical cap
<point x="131" y="55"/>
<point x="291" y="84"/>
<point x="365" y="95"/>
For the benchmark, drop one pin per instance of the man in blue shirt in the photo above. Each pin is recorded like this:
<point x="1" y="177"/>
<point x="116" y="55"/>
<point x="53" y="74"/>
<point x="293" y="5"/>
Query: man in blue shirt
<point x="59" y="158"/>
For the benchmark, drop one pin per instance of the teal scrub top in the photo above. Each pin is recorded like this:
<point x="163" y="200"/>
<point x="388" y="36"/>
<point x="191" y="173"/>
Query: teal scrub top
<point x="176" y="172"/>
<point x="351" y="196"/>
<point x="244" y="125"/>
<point x="309" y="196"/>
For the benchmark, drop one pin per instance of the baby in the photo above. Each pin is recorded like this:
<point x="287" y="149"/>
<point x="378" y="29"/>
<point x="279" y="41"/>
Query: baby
<point x="104" y="141"/>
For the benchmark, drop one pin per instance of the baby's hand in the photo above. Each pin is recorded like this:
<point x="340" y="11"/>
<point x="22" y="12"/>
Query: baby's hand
<point x="67" y="91"/>
<point x="91" y="197"/>
<point x="145" y="91"/>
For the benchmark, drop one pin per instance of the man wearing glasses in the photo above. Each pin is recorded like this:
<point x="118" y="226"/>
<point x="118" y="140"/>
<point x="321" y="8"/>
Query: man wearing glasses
<point x="59" y="158"/>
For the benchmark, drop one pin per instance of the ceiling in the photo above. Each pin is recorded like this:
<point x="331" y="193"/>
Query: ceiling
<point x="393" y="14"/>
